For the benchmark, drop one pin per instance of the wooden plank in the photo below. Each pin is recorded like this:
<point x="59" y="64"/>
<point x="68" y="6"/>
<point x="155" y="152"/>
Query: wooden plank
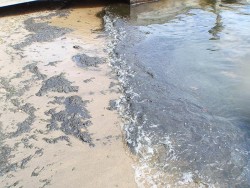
<point x="135" y="2"/>
<point x="4" y="3"/>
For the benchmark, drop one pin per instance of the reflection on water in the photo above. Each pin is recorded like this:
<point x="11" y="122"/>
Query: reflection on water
<point x="218" y="23"/>
<point x="189" y="97"/>
<point x="165" y="10"/>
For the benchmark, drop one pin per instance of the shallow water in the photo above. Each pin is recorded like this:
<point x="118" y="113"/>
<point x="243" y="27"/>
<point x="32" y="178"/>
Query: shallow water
<point x="184" y="66"/>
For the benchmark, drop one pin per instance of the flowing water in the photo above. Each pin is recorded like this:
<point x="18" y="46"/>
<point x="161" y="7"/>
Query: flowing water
<point x="185" y="69"/>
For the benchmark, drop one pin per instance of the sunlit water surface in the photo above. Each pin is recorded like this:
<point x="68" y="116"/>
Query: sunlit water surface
<point x="189" y="94"/>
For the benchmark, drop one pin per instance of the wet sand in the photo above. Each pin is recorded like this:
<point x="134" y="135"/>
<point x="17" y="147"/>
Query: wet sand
<point x="57" y="126"/>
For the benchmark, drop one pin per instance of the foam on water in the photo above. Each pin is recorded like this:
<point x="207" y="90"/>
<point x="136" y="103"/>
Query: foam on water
<point x="146" y="175"/>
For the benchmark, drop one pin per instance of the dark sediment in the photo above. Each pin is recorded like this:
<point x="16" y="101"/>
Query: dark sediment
<point x="5" y="152"/>
<point x="57" y="139"/>
<point x="74" y="120"/>
<point x="112" y="105"/>
<point x="11" y="91"/>
<point x="25" y="126"/>
<point x="22" y="127"/>
<point x="6" y="166"/>
<point x="40" y="32"/>
<point x="37" y="171"/>
<point x="58" y="100"/>
<point x="83" y="60"/>
<point x="25" y="161"/>
<point x="88" y="80"/>
<point x="53" y="63"/>
<point x="5" y="83"/>
<point x="13" y="185"/>
<point x="34" y="69"/>
<point x="57" y="84"/>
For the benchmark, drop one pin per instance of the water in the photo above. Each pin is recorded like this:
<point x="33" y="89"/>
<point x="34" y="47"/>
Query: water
<point x="185" y="70"/>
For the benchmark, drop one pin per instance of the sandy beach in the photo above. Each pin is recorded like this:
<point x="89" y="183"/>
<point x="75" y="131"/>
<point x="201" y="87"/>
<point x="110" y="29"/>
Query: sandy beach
<point x="58" y="125"/>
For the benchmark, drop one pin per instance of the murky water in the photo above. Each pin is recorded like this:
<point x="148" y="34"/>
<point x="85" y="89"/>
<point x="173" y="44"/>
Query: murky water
<point x="185" y="69"/>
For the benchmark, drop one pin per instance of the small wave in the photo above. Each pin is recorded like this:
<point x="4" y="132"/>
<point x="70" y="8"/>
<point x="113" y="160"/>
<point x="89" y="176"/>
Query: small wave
<point x="177" y="141"/>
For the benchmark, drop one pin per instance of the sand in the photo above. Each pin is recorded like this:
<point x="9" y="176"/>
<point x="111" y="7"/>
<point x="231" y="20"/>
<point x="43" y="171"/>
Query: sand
<point x="41" y="156"/>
